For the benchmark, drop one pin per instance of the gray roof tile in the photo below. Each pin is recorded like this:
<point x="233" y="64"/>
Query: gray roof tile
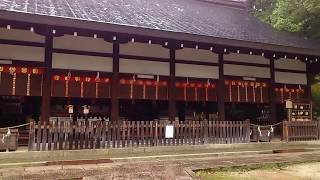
<point x="188" y="16"/>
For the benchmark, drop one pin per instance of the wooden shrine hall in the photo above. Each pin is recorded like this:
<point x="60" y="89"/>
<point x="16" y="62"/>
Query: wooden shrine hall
<point x="135" y="61"/>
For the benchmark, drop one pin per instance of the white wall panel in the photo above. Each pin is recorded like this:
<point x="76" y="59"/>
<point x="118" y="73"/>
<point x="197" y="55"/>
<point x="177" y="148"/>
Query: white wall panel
<point x="290" y="78"/>
<point x="78" y="62"/>
<point x="143" y="49"/>
<point x="290" y="64"/>
<point x="196" y="55"/>
<point x="247" y="71"/>
<point x="197" y="71"/>
<point x="246" y="58"/>
<point x="144" y="67"/>
<point x="20" y="35"/>
<point x="82" y="44"/>
<point x="25" y="53"/>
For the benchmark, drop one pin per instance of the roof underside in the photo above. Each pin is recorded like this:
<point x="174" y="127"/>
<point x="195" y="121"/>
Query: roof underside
<point x="187" y="16"/>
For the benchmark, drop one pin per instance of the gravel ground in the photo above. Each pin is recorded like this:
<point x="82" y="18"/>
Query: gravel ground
<point x="149" y="169"/>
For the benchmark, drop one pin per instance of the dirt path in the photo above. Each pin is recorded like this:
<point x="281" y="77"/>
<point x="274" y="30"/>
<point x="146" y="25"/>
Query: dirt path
<point x="148" y="169"/>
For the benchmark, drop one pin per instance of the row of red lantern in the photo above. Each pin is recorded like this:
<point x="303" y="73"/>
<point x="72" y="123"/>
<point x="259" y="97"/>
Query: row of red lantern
<point x="195" y="85"/>
<point x="21" y="70"/>
<point x="80" y="79"/>
<point x="143" y="82"/>
<point x="289" y="93"/>
<point x="245" y="83"/>
<point x="292" y="90"/>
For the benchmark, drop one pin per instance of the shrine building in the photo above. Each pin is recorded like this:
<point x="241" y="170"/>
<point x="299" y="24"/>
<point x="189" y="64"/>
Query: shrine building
<point x="129" y="60"/>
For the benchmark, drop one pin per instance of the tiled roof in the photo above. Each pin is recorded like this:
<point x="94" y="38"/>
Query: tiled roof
<point x="187" y="16"/>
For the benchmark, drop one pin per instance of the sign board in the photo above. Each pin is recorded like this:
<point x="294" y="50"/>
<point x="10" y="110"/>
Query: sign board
<point x="289" y="104"/>
<point x="169" y="131"/>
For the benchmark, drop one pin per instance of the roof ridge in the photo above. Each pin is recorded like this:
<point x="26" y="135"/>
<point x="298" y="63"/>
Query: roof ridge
<point x="230" y="3"/>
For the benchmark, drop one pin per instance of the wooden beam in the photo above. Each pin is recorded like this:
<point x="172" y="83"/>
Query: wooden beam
<point x="46" y="86"/>
<point x="21" y="43"/>
<point x="172" y="85"/>
<point x="221" y="90"/>
<point x="114" y="83"/>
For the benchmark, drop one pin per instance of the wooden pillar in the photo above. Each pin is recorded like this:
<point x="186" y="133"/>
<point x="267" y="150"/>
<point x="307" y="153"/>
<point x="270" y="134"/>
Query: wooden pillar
<point x="46" y="84"/>
<point x="272" y="94"/>
<point x="114" y="83"/>
<point x="221" y="90"/>
<point x="309" y="83"/>
<point x="172" y="85"/>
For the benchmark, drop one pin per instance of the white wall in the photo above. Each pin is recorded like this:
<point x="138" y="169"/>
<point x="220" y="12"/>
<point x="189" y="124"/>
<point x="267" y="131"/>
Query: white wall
<point x="20" y="35"/>
<point x="82" y="44"/>
<point x="290" y="64"/>
<point x="291" y="78"/>
<point x="246" y="58"/>
<point x="247" y="71"/>
<point x="143" y="49"/>
<point x="197" y="71"/>
<point x="144" y="67"/>
<point x="25" y="53"/>
<point x="196" y="55"/>
<point x="78" y="62"/>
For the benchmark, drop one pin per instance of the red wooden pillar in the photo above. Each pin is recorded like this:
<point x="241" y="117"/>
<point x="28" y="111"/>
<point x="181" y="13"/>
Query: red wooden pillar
<point x="221" y="89"/>
<point x="115" y="83"/>
<point x="172" y="86"/>
<point x="46" y="82"/>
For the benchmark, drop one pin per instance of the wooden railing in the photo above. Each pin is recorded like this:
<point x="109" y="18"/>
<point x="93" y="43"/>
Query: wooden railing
<point x="104" y="134"/>
<point x="301" y="131"/>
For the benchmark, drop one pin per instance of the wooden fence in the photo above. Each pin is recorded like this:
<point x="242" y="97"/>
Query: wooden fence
<point x="301" y="131"/>
<point x="104" y="134"/>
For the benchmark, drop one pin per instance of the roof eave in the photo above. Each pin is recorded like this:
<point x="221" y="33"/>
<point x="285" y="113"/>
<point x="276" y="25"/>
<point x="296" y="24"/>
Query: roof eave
<point x="101" y="26"/>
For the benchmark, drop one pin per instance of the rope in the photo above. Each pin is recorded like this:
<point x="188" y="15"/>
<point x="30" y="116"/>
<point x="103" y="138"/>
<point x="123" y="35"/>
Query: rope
<point x="272" y="125"/>
<point x="18" y="126"/>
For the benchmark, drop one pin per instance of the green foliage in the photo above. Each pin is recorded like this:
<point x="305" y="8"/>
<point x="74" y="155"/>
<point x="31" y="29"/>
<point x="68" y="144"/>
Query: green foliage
<point x="315" y="89"/>
<point x="302" y="16"/>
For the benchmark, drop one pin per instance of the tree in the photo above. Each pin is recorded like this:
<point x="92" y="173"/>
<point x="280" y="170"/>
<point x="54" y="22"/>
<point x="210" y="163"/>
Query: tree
<point x="301" y="16"/>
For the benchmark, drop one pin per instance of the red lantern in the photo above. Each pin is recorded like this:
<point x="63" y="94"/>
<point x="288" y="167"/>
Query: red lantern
<point x="264" y="85"/>
<point x="140" y="82"/>
<point x="148" y="83"/>
<point x="199" y="85"/>
<point x="56" y="77"/>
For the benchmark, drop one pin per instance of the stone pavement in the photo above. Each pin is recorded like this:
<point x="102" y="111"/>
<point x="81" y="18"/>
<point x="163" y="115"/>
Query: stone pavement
<point x="154" y="168"/>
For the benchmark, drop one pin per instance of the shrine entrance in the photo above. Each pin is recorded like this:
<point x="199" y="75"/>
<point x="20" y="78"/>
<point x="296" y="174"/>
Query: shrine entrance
<point x="16" y="110"/>
<point x="197" y="111"/>
<point x="143" y="110"/>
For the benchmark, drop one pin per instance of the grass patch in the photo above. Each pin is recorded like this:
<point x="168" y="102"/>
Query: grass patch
<point x="228" y="172"/>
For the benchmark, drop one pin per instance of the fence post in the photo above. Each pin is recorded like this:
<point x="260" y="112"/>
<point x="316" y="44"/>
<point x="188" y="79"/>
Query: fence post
<point x="285" y="132"/>
<point x="205" y="132"/>
<point x="247" y="126"/>
<point x="318" y="128"/>
<point x="31" y="136"/>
